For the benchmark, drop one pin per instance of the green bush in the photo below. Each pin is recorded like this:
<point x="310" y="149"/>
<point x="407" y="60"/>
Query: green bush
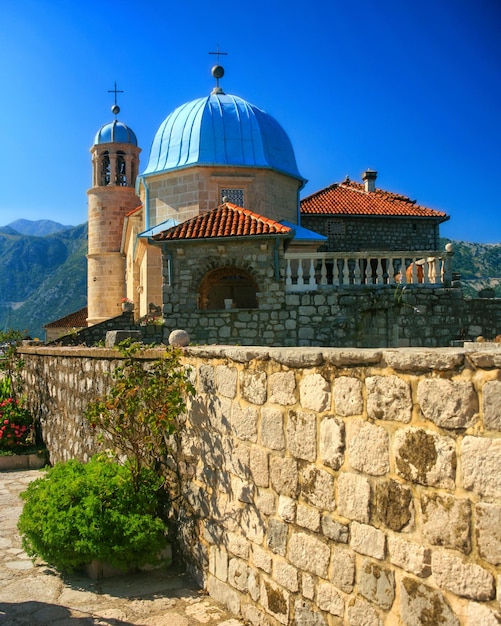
<point x="79" y="512"/>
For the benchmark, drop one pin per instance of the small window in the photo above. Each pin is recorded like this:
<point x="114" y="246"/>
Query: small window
<point x="235" y="196"/>
<point x="335" y="228"/>
<point x="105" y="169"/>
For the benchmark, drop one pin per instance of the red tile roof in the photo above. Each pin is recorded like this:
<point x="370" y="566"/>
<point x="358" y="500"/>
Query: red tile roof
<point x="78" y="319"/>
<point x="350" y="198"/>
<point x="226" y="220"/>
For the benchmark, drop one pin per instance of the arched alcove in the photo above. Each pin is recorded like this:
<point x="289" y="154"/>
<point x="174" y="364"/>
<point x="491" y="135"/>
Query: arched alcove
<point x="225" y="284"/>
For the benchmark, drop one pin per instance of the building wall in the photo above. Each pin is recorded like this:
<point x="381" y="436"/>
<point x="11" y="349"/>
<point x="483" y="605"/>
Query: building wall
<point x="183" y="194"/>
<point x="355" y="234"/>
<point x="323" y="486"/>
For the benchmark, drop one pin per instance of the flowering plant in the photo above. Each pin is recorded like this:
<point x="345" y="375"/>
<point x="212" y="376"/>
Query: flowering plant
<point x="16" y="424"/>
<point x="125" y="300"/>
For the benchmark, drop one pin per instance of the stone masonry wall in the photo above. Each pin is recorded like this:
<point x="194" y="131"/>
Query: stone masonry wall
<point x="324" y="486"/>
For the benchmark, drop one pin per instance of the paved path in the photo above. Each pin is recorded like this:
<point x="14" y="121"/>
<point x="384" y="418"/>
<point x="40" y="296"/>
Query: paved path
<point x="35" y="595"/>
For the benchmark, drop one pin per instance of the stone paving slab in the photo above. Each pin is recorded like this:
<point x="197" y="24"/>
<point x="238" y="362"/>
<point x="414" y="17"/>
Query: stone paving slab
<point x="33" y="594"/>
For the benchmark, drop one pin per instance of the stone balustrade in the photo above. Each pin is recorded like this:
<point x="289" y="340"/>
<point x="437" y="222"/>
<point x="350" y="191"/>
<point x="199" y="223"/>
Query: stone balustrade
<point x="308" y="272"/>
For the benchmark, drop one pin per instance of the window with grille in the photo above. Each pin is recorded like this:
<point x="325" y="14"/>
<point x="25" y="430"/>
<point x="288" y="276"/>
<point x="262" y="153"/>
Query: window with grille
<point x="235" y="196"/>
<point x="335" y="228"/>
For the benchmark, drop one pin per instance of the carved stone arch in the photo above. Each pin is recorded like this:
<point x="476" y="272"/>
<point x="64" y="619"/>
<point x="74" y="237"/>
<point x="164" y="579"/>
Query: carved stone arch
<point x="227" y="283"/>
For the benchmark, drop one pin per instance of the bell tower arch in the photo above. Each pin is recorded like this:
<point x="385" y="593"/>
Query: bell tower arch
<point x="115" y="165"/>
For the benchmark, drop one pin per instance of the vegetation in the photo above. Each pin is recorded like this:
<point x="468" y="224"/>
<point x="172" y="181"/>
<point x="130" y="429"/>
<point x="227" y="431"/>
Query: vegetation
<point x="79" y="512"/>
<point x="139" y="414"/>
<point x="17" y="432"/>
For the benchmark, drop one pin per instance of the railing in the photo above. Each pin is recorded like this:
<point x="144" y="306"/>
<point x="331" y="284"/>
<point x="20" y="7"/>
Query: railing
<point x="312" y="271"/>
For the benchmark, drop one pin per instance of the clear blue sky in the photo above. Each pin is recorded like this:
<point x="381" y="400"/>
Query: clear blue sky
<point x="410" y="89"/>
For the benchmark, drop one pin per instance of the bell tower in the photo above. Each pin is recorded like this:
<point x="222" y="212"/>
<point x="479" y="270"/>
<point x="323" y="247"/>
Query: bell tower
<point x="115" y="165"/>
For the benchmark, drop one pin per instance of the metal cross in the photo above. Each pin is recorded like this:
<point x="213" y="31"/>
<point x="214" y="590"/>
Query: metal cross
<point x="115" y="91"/>
<point x="218" y="53"/>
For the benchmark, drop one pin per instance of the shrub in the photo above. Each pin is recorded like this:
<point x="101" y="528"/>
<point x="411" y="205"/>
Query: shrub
<point x="16" y="425"/>
<point x="79" y="512"/>
<point x="140" y="412"/>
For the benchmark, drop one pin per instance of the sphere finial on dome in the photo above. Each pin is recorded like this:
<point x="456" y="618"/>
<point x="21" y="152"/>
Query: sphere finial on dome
<point x="115" y="109"/>
<point x="218" y="72"/>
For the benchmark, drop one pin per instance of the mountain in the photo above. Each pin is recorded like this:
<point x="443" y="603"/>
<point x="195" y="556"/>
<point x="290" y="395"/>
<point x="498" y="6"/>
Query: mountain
<point x="38" y="228"/>
<point x="41" y="278"/>
<point x="479" y="265"/>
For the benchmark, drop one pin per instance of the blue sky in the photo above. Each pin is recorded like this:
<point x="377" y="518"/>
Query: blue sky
<point x="410" y="89"/>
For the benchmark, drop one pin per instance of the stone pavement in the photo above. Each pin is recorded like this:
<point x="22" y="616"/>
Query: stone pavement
<point x="32" y="594"/>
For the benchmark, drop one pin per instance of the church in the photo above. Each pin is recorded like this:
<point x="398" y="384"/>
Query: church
<point x="211" y="236"/>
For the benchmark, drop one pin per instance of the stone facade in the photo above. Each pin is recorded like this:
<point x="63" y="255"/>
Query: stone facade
<point x="183" y="194"/>
<point x="366" y="233"/>
<point x="323" y="486"/>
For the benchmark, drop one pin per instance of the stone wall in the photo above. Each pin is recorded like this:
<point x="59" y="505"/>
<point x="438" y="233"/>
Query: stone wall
<point x="324" y="486"/>
<point x="366" y="233"/>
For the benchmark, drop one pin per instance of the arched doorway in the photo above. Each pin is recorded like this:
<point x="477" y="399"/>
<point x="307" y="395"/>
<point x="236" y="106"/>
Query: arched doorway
<point x="219" y="287"/>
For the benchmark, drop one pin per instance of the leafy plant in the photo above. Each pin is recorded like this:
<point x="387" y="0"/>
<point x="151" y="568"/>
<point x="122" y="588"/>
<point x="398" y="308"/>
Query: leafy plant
<point x="140" y="412"/>
<point x="79" y="512"/>
<point x="16" y="425"/>
<point x="11" y="364"/>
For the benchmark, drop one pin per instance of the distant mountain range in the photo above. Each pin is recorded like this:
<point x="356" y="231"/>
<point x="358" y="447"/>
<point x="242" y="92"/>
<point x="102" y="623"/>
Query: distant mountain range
<point x="43" y="272"/>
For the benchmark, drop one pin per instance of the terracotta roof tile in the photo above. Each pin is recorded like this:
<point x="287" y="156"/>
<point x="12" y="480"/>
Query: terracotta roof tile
<point x="226" y="220"/>
<point x="78" y="319"/>
<point x="350" y="198"/>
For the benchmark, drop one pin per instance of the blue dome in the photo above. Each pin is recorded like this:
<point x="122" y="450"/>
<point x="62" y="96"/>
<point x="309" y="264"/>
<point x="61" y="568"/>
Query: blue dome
<point x="115" y="132"/>
<point x="221" y="130"/>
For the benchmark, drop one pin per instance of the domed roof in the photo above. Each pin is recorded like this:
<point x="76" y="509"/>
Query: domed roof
<point x="115" y="132"/>
<point x="224" y="130"/>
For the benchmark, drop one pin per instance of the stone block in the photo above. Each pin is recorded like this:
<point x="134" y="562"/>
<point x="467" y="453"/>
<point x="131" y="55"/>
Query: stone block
<point x="226" y="381"/>
<point x="393" y="504"/>
<point x="420" y="605"/>
<point x="272" y="428"/>
<point x="411" y="557"/>
<point x="334" y="530"/>
<point x="307" y="615"/>
<point x="252" y="525"/>
<point x="244" y="422"/>
<point x="388" y="398"/>
<point x="317" y="487"/>
<point x="286" y="575"/>
<point x="488" y="531"/>
<point x="329" y="599"/>
<point x="277" y="536"/>
<point x="237" y="545"/>
<point x="481" y="465"/>
<point x="308" y="517"/>
<point x="463" y="578"/>
<point x="332" y="442"/>
<point x="115" y="337"/>
<point x="275" y="601"/>
<point x="376" y="583"/>
<point x="424" y="457"/>
<point x="446" y="403"/>
<point x="284" y="475"/>
<point x="348" y="399"/>
<point x="446" y="521"/>
<point x="265" y="502"/>
<point x="367" y="540"/>
<point x="308" y="586"/>
<point x="491" y="404"/>
<point x="343" y="568"/>
<point x="282" y="388"/>
<point x="482" y="615"/>
<point x="362" y="613"/>
<point x="368" y="447"/>
<point x="224" y="593"/>
<point x="314" y="393"/>
<point x="262" y="559"/>
<point x="302" y="435"/>
<point x="353" y="496"/>
<point x="287" y="508"/>
<point x="238" y="574"/>
<point x="206" y="379"/>
<point x="218" y="563"/>
<point x="309" y="553"/>
<point x="259" y="467"/>
<point x="253" y="386"/>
